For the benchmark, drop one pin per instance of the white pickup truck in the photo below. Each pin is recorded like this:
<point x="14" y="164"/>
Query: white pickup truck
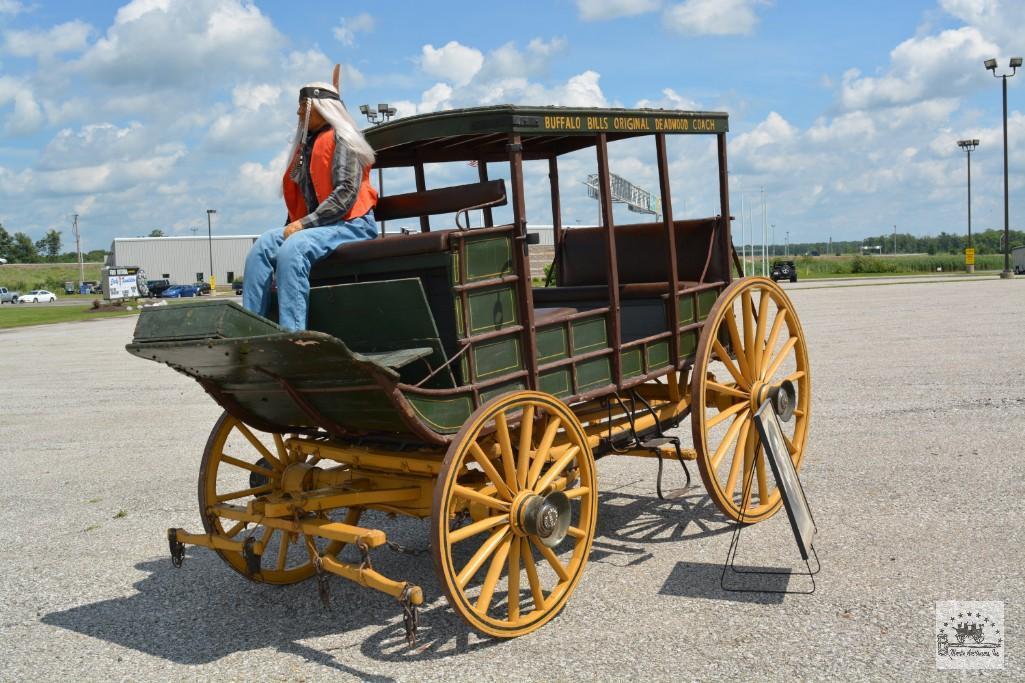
<point x="7" y="296"/>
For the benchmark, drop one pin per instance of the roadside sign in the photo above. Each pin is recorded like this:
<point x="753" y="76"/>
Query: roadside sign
<point x="122" y="283"/>
<point x="969" y="256"/>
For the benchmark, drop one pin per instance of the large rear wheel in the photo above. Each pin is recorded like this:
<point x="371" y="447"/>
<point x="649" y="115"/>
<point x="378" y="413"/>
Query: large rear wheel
<point x="514" y="513"/>
<point x="751" y="343"/>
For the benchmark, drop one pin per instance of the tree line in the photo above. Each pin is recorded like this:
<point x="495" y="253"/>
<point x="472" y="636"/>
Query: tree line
<point x="19" y="248"/>
<point x="985" y="242"/>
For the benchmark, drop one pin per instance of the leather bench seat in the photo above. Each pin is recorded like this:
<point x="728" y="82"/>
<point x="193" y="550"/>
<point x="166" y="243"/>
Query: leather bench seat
<point x="391" y="246"/>
<point x="634" y="290"/>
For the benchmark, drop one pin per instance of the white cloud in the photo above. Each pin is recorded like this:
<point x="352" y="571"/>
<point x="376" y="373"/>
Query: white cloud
<point x="597" y="10"/>
<point x="670" y="100"/>
<point x="26" y="116"/>
<point x="436" y="97"/>
<point x="71" y="36"/>
<point x="12" y="7"/>
<point x="1000" y="21"/>
<point x="509" y="61"/>
<point x="946" y="64"/>
<point x="712" y="17"/>
<point x="453" y="62"/>
<point x="348" y="27"/>
<point x="160" y="44"/>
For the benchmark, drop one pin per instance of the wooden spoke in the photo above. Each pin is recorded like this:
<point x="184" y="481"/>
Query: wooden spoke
<point x="247" y="466"/>
<point x="526" y="439"/>
<point x="478" y="497"/>
<point x="774" y="366"/>
<point x="235" y="495"/>
<point x="747" y="483"/>
<point x="726" y="389"/>
<point x="738" y="458"/>
<point x="480" y="557"/>
<point x="730" y="366"/>
<point x="514" y="579"/>
<point x="725" y="415"/>
<point x="747" y="306"/>
<point x="763" y="489"/>
<point x="505" y="443"/>
<point x="731" y="433"/>
<point x="763" y="313"/>
<point x="286" y="539"/>
<point x="738" y="346"/>
<point x="465" y="532"/>
<point x="532" y="577"/>
<point x="556" y="469"/>
<point x="542" y="449"/>
<point x="770" y="343"/>
<point x="552" y="558"/>
<point x="575" y="532"/>
<point x="578" y="492"/>
<point x="279" y="444"/>
<point x="794" y="448"/>
<point x="258" y="445"/>
<point x="233" y="531"/>
<point x="494" y="572"/>
<point x="795" y="376"/>
<point x="490" y="472"/>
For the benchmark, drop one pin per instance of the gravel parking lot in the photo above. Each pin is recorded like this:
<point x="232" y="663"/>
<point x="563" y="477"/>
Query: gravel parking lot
<point x="914" y="472"/>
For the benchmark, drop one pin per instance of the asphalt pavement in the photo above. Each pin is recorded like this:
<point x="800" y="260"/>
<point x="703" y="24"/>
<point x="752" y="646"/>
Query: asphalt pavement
<point x="914" y="474"/>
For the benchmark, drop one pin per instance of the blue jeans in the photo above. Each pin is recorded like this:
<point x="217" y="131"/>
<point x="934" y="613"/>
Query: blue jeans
<point x="290" y="262"/>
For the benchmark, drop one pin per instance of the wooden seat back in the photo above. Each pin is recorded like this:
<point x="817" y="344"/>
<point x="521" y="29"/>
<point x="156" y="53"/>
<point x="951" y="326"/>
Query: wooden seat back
<point x="442" y="200"/>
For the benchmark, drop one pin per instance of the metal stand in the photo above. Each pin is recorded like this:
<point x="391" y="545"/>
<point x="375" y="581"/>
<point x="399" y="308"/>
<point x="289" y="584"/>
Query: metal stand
<point x="731" y="556"/>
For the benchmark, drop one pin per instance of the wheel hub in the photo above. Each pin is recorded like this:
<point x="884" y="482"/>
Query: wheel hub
<point x="546" y="518"/>
<point x="297" y="478"/>
<point x="783" y="397"/>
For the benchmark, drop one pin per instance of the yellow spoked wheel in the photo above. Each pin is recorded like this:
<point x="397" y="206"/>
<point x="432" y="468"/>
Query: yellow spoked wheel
<point x="514" y="513"/>
<point x="751" y="347"/>
<point x="240" y="465"/>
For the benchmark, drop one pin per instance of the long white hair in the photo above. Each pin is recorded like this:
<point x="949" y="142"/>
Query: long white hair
<point x="337" y="116"/>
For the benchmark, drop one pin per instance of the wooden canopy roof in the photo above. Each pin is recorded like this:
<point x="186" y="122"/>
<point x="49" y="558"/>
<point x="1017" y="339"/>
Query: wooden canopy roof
<point x="482" y="132"/>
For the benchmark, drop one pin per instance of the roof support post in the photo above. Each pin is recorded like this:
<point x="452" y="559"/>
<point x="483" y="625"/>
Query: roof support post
<point x="604" y="186"/>
<point x="667" y="222"/>
<point x="725" y="234"/>
<point x="553" y="181"/>
<point x="482" y="175"/>
<point x="522" y="258"/>
<point x="421" y="185"/>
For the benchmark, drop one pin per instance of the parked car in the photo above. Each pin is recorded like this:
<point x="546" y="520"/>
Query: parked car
<point x="157" y="287"/>
<point x="8" y="296"/>
<point x="179" y="291"/>
<point x="236" y="286"/>
<point x="36" y="296"/>
<point x="202" y="287"/>
<point x="783" y="270"/>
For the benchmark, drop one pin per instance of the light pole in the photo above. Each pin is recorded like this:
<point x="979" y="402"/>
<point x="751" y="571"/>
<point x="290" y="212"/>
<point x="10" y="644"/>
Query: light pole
<point x="969" y="146"/>
<point x="786" y="248"/>
<point x="1014" y="64"/>
<point x="210" y="242"/>
<point x="382" y="115"/>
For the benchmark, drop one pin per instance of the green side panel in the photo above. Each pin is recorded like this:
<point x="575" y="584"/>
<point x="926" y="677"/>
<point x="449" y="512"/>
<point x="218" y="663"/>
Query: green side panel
<point x="688" y="343"/>
<point x="384" y="315"/>
<point x="551" y="344"/>
<point x="492" y="309"/>
<point x="487" y="258"/>
<point x="658" y="354"/>
<point x="685" y="306"/>
<point x="329" y="268"/>
<point x="497" y="357"/>
<point x="445" y="415"/>
<point x="200" y="320"/>
<point x="589" y="335"/>
<point x="556" y="382"/>
<point x="593" y="373"/>
<point x="460" y="328"/>
<point x="363" y="410"/>
<point x="631" y="363"/>
<point x="489" y="394"/>
<point x="705" y="302"/>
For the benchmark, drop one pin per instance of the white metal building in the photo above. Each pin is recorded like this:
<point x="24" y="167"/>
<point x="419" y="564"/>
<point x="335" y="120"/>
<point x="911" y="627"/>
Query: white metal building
<point x="184" y="259"/>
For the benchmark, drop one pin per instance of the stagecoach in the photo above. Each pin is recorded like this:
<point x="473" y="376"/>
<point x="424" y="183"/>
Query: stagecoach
<point x="439" y="381"/>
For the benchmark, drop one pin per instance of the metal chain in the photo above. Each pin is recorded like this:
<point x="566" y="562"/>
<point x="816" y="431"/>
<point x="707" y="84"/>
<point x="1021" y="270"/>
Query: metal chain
<point x="414" y="552"/>
<point x="410" y="615"/>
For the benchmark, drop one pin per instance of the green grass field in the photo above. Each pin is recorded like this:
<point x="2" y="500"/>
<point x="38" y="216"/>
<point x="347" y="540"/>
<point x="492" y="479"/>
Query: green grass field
<point x="24" y="277"/>
<point x="811" y="267"/>
<point x="23" y="315"/>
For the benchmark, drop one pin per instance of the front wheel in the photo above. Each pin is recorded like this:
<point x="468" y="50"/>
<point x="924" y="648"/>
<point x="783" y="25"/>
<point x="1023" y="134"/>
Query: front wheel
<point x="518" y="481"/>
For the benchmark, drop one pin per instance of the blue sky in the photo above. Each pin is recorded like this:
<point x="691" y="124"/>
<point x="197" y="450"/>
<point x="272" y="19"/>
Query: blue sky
<point x="141" y="115"/>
